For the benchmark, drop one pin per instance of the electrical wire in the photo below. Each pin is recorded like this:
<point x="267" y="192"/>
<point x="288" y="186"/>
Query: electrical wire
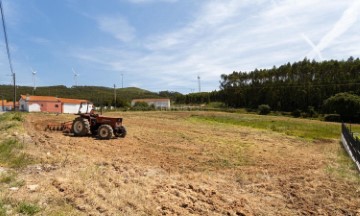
<point x="6" y="38"/>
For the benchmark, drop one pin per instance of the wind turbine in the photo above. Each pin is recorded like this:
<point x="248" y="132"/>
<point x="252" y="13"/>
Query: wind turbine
<point x="34" y="78"/>
<point x="75" y="76"/>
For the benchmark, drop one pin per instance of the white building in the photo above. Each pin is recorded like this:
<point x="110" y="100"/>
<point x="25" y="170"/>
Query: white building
<point x="52" y="104"/>
<point x="73" y="105"/>
<point x="162" y="103"/>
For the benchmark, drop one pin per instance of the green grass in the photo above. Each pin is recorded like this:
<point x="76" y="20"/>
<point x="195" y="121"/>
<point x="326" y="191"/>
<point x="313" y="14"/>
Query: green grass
<point x="27" y="208"/>
<point x="2" y="209"/>
<point x="12" y="116"/>
<point x="11" y="180"/>
<point x="309" y="129"/>
<point x="344" y="167"/>
<point x="11" y="155"/>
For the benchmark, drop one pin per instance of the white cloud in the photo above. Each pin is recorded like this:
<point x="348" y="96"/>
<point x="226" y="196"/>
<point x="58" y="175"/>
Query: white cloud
<point x="118" y="27"/>
<point x="233" y="35"/>
<point x="347" y="20"/>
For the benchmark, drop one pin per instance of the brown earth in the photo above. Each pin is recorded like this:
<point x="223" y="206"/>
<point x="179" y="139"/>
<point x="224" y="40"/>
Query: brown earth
<point x="171" y="165"/>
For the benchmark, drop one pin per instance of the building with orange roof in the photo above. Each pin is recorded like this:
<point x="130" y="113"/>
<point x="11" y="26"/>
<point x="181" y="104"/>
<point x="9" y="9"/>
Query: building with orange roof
<point x="30" y="103"/>
<point x="8" y="105"/>
<point x="162" y="103"/>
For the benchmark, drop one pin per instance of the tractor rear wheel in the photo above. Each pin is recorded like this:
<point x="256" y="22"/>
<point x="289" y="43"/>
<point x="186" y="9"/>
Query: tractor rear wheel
<point x="80" y="127"/>
<point x="105" y="131"/>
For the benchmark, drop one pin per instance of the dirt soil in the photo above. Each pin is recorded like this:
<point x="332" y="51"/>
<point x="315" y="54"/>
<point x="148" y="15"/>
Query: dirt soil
<point x="170" y="164"/>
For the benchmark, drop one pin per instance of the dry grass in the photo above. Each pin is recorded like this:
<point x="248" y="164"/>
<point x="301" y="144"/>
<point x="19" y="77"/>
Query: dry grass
<point x="171" y="164"/>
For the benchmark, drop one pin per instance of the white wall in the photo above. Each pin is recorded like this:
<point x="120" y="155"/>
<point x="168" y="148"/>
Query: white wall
<point x="23" y="105"/>
<point x="34" y="107"/>
<point x="74" y="108"/>
<point x="70" y="108"/>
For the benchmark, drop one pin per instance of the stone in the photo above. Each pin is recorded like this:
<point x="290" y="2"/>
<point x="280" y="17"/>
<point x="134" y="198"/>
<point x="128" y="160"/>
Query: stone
<point x="32" y="187"/>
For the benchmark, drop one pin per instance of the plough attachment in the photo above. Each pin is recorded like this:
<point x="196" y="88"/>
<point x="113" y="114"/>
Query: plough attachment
<point x="65" y="127"/>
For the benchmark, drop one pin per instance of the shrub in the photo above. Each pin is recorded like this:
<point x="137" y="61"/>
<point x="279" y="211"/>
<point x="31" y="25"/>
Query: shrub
<point x="332" y="118"/>
<point x="311" y="112"/>
<point x="345" y="104"/>
<point x="264" y="109"/>
<point x="296" y="113"/>
<point x="141" y="104"/>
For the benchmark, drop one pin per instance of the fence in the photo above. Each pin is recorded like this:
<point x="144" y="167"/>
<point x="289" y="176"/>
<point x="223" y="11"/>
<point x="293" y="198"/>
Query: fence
<point x="351" y="144"/>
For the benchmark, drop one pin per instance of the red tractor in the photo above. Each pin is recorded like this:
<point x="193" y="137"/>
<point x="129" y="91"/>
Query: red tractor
<point x="91" y="123"/>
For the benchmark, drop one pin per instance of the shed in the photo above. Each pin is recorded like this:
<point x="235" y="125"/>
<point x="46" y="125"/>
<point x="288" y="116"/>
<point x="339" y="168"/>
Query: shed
<point x="162" y="103"/>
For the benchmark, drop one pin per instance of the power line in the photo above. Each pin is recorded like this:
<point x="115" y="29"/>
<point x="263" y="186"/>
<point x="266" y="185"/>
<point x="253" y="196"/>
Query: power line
<point x="8" y="50"/>
<point x="297" y="85"/>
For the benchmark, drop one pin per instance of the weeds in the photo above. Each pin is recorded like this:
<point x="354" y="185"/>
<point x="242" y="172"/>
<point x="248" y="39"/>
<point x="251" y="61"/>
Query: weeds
<point x="7" y="178"/>
<point x="11" y="180"/>
<point x="344" y="167"/>
<point x="2" y="209"/>
<point x="11" y="155"/>
<point x="27" y="208"/>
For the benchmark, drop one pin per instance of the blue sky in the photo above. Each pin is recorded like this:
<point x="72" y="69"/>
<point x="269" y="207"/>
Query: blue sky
<point x="165" y="44"/>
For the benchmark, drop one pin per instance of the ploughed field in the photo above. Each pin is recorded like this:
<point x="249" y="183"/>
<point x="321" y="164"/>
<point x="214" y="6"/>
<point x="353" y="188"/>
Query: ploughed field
<point x="183" y="163"/>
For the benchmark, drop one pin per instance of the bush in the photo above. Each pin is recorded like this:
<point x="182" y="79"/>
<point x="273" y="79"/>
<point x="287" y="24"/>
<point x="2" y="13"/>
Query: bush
<point x="332" y="118"/>
<point x="296" y="113"/>
<point x="345" y="104"/>
<point x="311" y="112"/>
<point x="264" y="109"/>
<point x="142" y="106"/>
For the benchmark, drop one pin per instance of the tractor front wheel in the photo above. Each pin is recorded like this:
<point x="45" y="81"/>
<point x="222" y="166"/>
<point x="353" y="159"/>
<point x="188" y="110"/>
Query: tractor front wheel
<point x="80" y="127"/>
<point x="121" y="132"/>
<point x="105" y="132"/>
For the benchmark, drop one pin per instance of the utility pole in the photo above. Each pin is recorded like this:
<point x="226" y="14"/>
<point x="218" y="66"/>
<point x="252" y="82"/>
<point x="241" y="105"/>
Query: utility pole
<point x="8" y="51"/>
<point x="199" y="83"/>
<point x="122" y="80"/>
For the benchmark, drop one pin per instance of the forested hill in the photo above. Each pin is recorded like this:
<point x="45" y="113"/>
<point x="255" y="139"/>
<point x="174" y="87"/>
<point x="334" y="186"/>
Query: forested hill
<point x="95" y="94"/>
<point x="299" y="85"/>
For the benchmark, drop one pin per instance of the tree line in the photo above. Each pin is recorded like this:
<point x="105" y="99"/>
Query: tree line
<point x="299" y="85"/>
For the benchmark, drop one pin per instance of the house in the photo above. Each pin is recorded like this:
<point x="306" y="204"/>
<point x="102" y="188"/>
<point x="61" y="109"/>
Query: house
<point x="162" y="103"/>
<point x="52" y="104"/>
<point x="73" y="105"/>
<point x="30" y="103"/>
<point x="7" y="105"/>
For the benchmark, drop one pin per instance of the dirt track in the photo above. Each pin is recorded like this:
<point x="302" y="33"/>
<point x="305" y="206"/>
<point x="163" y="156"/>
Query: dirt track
<point x="169" y="164"/>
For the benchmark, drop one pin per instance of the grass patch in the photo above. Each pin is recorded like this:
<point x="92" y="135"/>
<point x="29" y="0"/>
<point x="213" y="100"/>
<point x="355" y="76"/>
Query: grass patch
<point x="309" y="129"/>
<point x="11" y="180"/>
<point x="7" y="178"/>
<point x="344" y="167"/>
<point x="11" y="120"/>
<point x="27" y="208"/>
<point x="12" y="116"/>
<point x="2" y="209"/>
<point x="11" y="155"/>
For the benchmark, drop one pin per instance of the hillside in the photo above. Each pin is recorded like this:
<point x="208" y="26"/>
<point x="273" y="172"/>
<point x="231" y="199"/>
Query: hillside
<point x="95" y="94"/>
